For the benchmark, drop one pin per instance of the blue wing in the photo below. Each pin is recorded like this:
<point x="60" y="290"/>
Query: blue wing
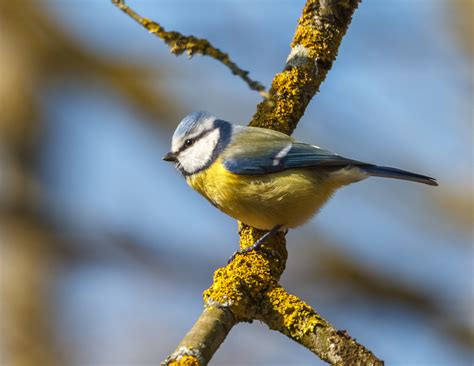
<point x="259" y="151"/>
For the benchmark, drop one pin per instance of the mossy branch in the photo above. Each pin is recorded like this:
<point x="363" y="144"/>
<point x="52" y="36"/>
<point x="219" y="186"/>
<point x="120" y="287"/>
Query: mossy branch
<point x="179" y="44"/>
<point x="291" y="316"/>
<point x="314" y="48"/>
<point x="248" y="287"/>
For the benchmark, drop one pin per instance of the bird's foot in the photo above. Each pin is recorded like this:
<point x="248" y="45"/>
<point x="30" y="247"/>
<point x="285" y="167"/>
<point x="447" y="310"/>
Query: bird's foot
<point x="258" y="244"/>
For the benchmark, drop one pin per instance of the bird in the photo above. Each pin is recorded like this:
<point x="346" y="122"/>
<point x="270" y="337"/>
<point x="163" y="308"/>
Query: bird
<point x="264" y="178"/>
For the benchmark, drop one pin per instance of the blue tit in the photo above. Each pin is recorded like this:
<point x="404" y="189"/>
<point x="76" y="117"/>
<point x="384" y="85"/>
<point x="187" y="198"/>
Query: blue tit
<point x="264" y="178"/>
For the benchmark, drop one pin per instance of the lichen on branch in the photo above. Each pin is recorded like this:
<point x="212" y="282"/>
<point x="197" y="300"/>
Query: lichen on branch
<point x="314" y="48"/>
<point x="191" y="45"/>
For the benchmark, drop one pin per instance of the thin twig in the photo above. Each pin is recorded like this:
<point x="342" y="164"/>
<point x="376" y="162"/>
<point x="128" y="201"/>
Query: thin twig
<point x="205" y="337"/>
<point x="179" y="44"/>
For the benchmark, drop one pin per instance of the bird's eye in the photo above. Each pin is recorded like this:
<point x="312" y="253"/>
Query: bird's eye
<point x="188" y="142"/>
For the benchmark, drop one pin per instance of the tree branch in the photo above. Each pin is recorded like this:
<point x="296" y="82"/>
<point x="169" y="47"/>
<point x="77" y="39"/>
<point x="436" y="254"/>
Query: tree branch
<point x="191" y="45"/>
<point x="313" y="50"/>
<point x="248" y="286"/>
<point x="204" y="338"/>
<point x="291" y="316"/>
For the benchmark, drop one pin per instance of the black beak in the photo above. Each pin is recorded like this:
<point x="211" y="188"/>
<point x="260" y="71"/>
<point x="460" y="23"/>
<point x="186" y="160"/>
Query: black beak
<point x="170" y="157"/>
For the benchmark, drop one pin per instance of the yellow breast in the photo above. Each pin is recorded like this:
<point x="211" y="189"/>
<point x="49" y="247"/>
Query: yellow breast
<point x="286" y="198"/>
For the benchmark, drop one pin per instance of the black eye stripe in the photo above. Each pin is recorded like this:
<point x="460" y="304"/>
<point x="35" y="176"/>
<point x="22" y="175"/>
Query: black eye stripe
<point x="225" y="132"/>
<point x="194" y="140"/>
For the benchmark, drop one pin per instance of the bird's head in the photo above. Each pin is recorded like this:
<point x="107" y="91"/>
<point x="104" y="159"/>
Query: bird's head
<point x="198" y="141"/>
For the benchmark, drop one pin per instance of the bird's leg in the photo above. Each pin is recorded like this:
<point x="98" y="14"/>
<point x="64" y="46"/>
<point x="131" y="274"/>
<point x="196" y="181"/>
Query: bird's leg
<point x="258" y="243"/>
<point x="263" y="239"/>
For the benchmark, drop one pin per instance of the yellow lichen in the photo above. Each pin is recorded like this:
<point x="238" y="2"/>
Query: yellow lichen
<point x="185" y="361"/>
<point x="241" y="284"/>
<point x="321" y="37"/>
<point x="296" y="317"/>
<point x="291" y="91"/>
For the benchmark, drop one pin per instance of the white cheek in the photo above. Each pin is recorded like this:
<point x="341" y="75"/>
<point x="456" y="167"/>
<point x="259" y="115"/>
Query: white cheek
<point x="198" y="155"/>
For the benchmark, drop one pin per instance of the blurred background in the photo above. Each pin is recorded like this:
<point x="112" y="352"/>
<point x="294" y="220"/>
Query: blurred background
<point x="104" y="249"/>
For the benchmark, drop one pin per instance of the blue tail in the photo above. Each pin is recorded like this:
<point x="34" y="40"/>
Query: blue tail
<point x="386" y="172"/>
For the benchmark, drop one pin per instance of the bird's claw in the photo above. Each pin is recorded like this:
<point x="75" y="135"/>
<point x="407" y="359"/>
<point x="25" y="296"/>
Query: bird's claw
<point x="268" y="251"/>
<point x="258" y="245"/>
<point x="241" y="251"/>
